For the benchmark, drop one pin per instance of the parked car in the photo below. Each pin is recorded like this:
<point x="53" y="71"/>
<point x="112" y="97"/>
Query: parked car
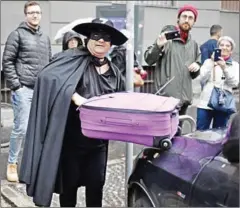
<point x="192" y="173"/>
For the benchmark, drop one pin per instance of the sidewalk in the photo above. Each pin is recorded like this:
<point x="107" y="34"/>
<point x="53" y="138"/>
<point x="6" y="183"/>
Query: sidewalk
<point x="114" y="193"/>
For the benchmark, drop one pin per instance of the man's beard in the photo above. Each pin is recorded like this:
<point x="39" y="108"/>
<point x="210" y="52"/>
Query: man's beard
<point x="185" y="27"/>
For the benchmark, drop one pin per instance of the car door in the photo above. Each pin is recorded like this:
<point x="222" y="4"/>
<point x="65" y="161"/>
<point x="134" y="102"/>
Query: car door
<point x="216" y="185"/>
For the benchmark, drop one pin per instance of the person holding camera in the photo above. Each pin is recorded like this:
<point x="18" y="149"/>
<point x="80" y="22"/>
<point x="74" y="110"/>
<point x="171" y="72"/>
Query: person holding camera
<point x="221" y="72"/>
<point x="176" y="55"/>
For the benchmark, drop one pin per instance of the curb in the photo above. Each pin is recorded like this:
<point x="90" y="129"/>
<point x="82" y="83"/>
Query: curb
<point x="14" y="198"/>
<point x="7" y="201"/>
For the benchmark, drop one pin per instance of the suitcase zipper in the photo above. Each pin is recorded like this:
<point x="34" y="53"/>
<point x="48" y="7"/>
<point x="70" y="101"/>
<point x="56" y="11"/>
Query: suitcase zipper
<point x="127" y="110"/>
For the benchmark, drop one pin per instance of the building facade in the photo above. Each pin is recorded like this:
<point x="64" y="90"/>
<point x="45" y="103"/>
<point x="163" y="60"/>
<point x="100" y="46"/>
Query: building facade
<point x="150" y="17"/>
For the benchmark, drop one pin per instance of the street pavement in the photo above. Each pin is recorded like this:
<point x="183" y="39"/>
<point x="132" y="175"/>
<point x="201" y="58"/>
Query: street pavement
<point x="114" y="193"/>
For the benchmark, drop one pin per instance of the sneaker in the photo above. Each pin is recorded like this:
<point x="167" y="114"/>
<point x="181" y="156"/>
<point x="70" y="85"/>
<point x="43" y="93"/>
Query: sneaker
<point x="12" y="175"/>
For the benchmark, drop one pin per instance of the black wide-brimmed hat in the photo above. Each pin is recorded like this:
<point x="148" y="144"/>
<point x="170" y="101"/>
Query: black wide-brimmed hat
<point x="105" y="25"/>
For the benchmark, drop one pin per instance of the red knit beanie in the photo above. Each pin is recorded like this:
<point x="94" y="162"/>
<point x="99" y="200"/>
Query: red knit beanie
<point x="188" y="8"/>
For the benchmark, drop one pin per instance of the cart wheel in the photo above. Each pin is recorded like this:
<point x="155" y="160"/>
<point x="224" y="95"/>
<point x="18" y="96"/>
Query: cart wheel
<point x="166" y="144"/>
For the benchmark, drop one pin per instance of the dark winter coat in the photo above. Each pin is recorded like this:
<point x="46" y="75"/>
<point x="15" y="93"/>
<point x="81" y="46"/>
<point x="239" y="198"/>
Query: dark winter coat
<point x="26" y="52"/>
<point x="174" y="62"/>
<point x="118" y="57"/>
<point x="207" y="49"/>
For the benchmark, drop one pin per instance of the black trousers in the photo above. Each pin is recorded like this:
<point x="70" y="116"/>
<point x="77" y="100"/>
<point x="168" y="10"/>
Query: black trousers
<point x="182" y="111"/>
<point x="83" y="167"/>
<point x="93" y="196"/>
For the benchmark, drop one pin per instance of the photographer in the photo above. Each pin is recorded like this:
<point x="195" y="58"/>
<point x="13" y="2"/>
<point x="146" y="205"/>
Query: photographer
<point x="176" y="57"/>
<point x="222" y="73"/>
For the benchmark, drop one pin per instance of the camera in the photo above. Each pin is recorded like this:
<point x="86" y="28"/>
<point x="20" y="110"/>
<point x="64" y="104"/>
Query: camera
<point x="172" y="35"/>
<point x="217" y="54"/>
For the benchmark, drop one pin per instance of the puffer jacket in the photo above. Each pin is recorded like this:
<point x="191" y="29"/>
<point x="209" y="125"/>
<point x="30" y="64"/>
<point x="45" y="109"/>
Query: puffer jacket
<point x="66" y="38"/>
<point x="26" y="52"/>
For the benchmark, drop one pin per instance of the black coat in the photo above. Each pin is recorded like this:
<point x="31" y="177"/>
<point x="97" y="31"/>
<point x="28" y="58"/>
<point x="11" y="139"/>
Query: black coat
<point x="118" y="57"/>
<point x="68" y="36"/>
<point x="49" y="111"/>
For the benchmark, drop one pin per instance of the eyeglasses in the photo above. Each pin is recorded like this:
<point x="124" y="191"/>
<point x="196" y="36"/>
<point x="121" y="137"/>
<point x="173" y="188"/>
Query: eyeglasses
<point x="189" y="17"/>
<point x="32" y="13"/>
<point x="98" y="36"/>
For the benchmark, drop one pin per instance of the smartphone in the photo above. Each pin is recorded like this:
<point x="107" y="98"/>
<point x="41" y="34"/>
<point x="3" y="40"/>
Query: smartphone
<point x="172" y="35"/>
<point x="217" y="54"/>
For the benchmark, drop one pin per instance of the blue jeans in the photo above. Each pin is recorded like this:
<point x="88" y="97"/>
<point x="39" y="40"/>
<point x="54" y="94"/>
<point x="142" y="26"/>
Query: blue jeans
<point x="21" y="103"/>
<point x="205" y="117"/>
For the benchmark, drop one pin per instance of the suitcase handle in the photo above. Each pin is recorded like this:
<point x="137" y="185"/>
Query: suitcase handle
<point x="119" y="122"/>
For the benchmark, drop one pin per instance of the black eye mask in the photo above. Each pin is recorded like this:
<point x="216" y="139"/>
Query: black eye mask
<point x="100" y="35"/>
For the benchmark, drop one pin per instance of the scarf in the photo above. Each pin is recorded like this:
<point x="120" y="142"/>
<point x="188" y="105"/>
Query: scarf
<point x="228" y="59"/>
<point x="96" y="61"/>
<point x="183" y="34"/>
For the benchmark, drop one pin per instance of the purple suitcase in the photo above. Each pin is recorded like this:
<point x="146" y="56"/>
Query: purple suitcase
<point x="139" y="118"/>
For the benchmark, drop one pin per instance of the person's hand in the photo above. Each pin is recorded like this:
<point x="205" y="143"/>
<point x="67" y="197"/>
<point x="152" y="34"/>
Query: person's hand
<point x="143" y="74"/>
<point x="138" y="81"/>
<point x="161" y="41"/>
<point x="221" y="63"/>
<point x="137" y="70"/>
<point x="78" y="100"/>
<point x="194" y="67"/>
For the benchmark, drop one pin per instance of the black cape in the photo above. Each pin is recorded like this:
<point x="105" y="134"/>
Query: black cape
<point x="53" y="90"/>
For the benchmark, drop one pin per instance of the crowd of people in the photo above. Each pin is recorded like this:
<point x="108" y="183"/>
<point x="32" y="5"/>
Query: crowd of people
<point x="47" y="89"/>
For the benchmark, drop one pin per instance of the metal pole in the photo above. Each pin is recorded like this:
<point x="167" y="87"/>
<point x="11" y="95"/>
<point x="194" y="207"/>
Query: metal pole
<point x="129" y="84"/>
